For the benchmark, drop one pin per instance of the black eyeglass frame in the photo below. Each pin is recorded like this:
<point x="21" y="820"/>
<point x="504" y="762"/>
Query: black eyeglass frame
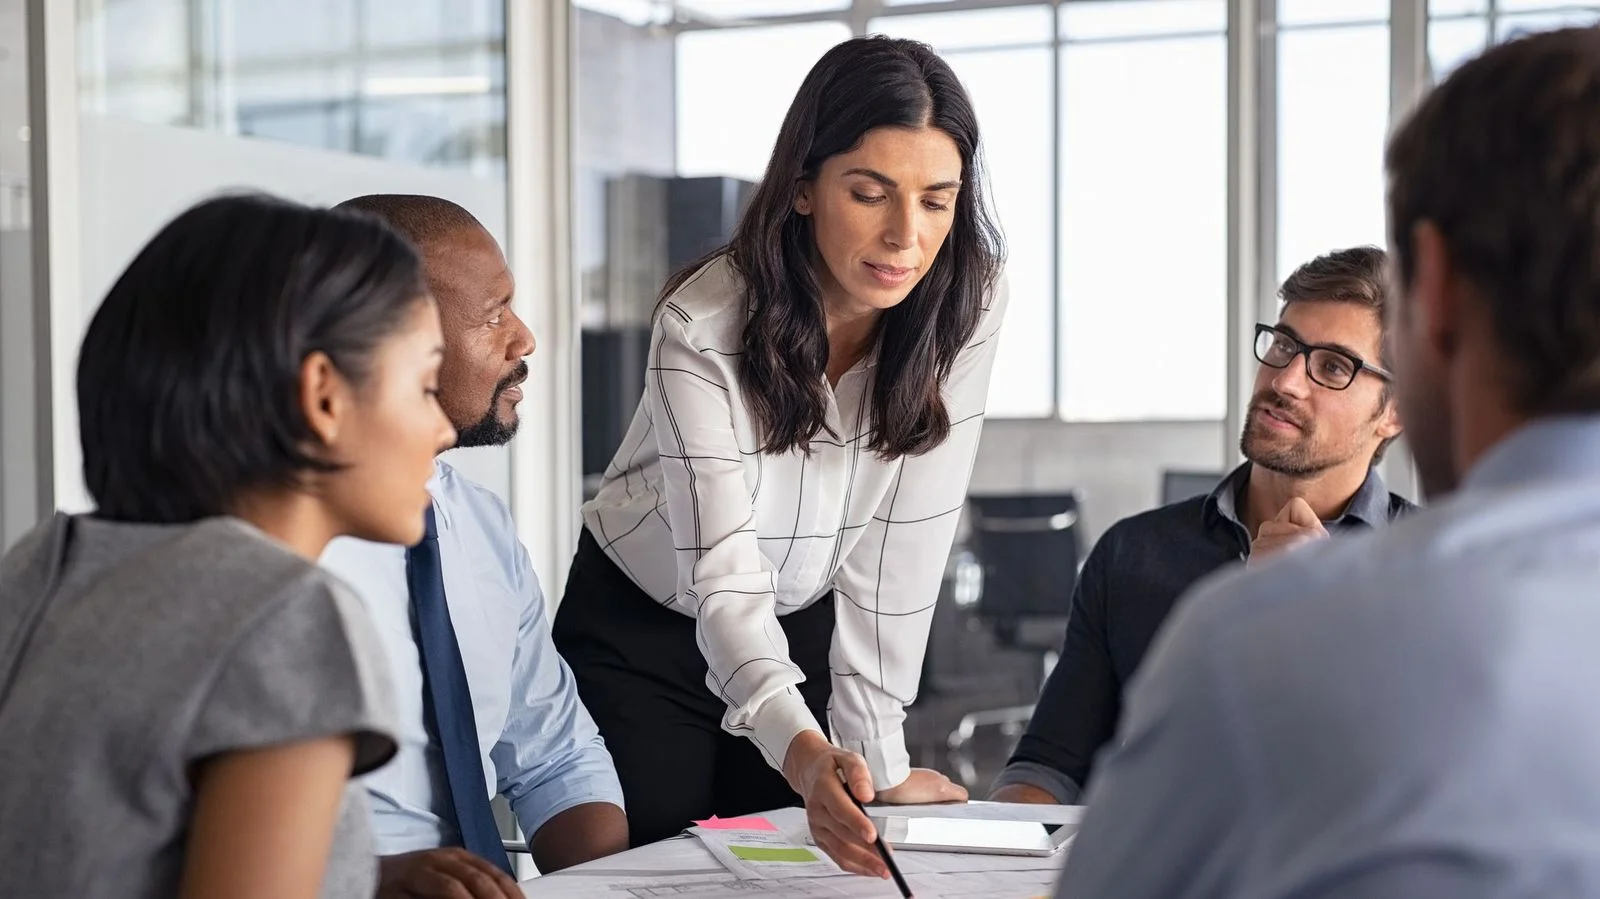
<point x="1301" y="348"/>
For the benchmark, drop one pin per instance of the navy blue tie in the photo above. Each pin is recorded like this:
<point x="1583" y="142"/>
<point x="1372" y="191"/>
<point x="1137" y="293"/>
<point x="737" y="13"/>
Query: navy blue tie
<point x="447" y="701"/>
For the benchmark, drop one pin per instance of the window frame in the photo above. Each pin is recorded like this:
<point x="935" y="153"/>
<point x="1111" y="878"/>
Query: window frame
<point x="1252" y="29"/>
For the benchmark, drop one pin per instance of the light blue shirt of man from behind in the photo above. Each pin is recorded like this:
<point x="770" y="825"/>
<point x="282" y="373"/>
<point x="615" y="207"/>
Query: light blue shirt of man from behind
<point x="1407" y="713"/>
<point x="541" y="750"/>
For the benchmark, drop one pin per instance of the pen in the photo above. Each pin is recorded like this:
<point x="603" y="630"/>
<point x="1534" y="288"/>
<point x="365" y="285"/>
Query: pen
<point x="883" y="850"/>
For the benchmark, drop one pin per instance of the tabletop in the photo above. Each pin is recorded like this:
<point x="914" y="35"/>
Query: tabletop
<point x="682" y="867"/>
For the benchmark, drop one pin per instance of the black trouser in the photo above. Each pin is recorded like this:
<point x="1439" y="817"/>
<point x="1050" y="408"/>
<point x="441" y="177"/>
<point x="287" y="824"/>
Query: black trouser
<point x="644" y="681"/>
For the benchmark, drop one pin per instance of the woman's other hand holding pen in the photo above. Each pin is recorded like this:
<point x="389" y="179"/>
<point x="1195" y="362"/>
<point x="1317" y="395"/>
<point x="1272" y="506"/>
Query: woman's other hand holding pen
<point x="820" y="772"/>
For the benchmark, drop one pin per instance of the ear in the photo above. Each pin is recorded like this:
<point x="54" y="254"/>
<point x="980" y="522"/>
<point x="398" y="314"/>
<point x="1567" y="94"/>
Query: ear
<point x="324" y="397"/>
<point x="1435" y="292"/>
<point x="802" y="197"/>
<point x="1389" y="425"/>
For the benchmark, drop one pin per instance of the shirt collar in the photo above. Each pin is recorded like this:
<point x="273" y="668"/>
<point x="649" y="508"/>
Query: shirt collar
<point x="1223" y="502"/>
<point x="1369" y="505"/>
<point x="1548" y="449"/>
<point x="436" y="490"/>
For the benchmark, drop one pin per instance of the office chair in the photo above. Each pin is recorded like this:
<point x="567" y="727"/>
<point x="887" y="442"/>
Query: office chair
<point x="1028" y="548"/>
<point x="1178" y="485"/>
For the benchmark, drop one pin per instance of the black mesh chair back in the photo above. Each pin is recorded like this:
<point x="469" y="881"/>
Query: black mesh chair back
<point x="1028" y="545"/>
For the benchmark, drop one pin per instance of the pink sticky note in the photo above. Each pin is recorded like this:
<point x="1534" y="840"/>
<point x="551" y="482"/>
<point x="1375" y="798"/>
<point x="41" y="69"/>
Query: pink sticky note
<point x="750" y="823"/>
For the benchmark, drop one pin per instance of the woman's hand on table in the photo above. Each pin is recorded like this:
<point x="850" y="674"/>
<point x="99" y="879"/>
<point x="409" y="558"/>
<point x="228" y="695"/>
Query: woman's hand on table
<point x="924" y="785"/>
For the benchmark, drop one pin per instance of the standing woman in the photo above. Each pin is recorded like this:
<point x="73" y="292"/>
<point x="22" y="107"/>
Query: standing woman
<point x="761" y="563"/>
<point x="184" y="695"/>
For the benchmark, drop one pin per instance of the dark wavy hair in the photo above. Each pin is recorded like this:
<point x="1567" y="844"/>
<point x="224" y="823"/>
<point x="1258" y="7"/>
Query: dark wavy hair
<point x="859" y="85"/>
<point x="187" y="379"/>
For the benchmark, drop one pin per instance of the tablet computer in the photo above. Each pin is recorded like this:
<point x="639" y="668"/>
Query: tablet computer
<point x="980" y="837"/>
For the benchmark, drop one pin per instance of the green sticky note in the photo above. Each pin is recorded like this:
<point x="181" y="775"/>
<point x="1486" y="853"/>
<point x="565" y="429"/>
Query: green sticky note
<point x="771" y="854"/>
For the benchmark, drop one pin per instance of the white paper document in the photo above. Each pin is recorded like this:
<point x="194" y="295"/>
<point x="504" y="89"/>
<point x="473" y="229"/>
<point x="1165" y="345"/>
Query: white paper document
<point x="767" y="854"/>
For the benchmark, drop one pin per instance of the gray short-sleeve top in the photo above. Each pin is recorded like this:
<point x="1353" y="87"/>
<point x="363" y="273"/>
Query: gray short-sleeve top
<point x="129" y="653"/>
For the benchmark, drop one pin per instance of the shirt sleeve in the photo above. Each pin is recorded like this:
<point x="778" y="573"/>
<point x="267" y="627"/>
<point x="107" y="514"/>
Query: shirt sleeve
<point x="1174" y="788"/>
<point x="1077" y="711"/>
<point x="550" y="756"/>
<point x="887" y="587"/>
<point x="312" y="668"/>
<point x="722" y="574"/>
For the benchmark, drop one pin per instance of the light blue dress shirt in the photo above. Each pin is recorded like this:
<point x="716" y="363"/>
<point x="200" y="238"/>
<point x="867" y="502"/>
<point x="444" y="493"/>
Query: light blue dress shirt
<point x="540" y="747"/>
<point x="1406" y="713"/>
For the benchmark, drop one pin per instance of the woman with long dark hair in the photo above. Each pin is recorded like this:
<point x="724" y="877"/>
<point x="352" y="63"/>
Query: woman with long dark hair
<point x="763" y="558"/>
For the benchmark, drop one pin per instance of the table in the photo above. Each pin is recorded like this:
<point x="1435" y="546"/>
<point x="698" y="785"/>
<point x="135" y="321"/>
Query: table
<point x="681" y="867"/>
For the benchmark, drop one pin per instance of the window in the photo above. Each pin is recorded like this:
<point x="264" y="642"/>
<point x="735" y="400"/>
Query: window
<point x="1122" y="19"/>
<point x="1549" y="6"/>
<point x="952" y="32"/>
<point x="734" y="12"/>
<point x="1509" y="26"/>
<point x="1460" y="29"/>
<point x="1009" y="84"/>
<point x="1105" y="126"/>
<point x="314" y="100"/>
<point x="1143" y="242"/>
<point x="1333" y="122"/>
<point x="413" y="81"/>
<point x="1297" y="13"/>
<point x="1452" y="42"/>
<point x="1011" y="92"/>
<point x="1087" y="206"/>
<point x="734" y="86"/>
<point x="633" y="12"/>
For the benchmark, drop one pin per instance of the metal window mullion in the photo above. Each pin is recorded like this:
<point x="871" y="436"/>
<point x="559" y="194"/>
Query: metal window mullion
<point x="56" y="172"/>
<point x="1268" y="187"/>
<point x="1410" y="73"/>
<point x="1252" y="193"/>
<point x="1057" y="185"/>
<point x="545" y="479"/>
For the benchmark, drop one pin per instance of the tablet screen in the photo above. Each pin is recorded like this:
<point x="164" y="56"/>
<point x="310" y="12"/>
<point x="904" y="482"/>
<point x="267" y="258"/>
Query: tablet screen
<point x="961" y="835"/>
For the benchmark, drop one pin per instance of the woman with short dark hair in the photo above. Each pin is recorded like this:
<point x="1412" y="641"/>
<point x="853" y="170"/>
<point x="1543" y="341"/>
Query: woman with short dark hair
<point x="184" y="695"/>
<point x="768" y="544"/>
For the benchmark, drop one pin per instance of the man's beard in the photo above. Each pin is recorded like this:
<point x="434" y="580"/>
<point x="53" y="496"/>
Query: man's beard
<point x="1294" y="460"/>
<point x="490" y="430"/>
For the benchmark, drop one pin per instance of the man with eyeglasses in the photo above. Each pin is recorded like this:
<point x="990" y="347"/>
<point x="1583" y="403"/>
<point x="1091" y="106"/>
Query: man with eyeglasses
<point x="1321" y="416"/>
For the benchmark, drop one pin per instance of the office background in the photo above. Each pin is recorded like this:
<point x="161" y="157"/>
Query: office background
<point x="1158" y="166"/>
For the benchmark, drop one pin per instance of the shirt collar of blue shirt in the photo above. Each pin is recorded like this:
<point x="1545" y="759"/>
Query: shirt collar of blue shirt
<point x="1369" y="506"/>
<point x="1558" y="448"/>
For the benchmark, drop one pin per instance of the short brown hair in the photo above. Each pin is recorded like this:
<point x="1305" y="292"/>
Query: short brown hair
<point x="1504" y="160"/>
<point x="1358" y="275"/>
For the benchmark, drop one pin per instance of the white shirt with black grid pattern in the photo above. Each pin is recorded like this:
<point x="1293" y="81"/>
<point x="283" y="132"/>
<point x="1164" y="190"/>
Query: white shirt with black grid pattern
<point x="703" y="522"/>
